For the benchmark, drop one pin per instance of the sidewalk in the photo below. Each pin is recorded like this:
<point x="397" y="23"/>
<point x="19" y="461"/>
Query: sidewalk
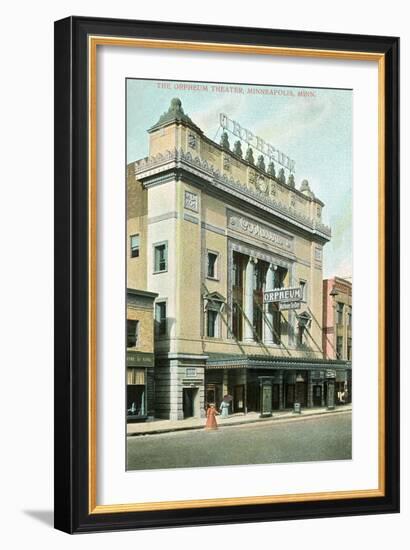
<point x="165" y="426"/>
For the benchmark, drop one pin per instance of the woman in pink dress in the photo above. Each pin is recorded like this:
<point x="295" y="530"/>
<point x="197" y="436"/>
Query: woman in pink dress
<point x="210" y="417"/>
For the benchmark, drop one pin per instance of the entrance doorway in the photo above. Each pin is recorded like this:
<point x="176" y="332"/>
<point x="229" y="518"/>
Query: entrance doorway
<point x="289" y="395"/>
<point x="188" y="401"/>
<point x="239" y="398"/>
<point x="301" y="393"/>
<point x="213" y="394"/>
<point x="317" y="395"/>
<point x="275" y="396"/>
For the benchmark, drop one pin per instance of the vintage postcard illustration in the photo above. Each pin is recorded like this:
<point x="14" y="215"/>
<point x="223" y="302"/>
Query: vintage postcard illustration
<point x="239" y="274"/>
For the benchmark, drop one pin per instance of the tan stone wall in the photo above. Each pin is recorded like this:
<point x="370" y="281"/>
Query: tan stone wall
<point x="136" y="224"/>
<point x="162" y="140"/>
<point x="214" y="218"/>
<point x="188" y="288"/>
<point x="146" y="328"/>
<point x="316" y="284"/>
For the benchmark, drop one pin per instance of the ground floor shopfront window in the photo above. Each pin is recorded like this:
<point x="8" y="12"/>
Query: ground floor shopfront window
<point x="136" y="394"/>
<point x="244" y="389"/>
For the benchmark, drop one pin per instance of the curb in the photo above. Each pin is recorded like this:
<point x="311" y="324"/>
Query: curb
<point x="242" y="422"/>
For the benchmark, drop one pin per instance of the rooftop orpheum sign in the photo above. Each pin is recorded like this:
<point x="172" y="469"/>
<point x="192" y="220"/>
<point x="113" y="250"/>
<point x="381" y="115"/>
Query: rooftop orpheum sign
<point x="255" y="141"/>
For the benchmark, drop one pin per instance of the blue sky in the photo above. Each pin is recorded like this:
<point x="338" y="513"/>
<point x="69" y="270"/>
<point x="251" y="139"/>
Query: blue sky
<point x="315" y="131"/>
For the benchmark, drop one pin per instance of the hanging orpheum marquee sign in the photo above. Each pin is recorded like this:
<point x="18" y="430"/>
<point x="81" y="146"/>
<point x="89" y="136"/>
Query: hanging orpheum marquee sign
<point x="287" y="298"/>
<point x="283" y="306"/>
<point x="258" y="143"/>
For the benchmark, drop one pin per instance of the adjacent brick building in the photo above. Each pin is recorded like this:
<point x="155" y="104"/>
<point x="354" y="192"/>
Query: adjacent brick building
<point x="337" y="327"/>
<point x="140" y="354"/>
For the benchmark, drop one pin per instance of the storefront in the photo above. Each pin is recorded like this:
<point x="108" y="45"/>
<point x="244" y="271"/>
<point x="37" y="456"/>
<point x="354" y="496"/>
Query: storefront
<point x="140" y="367"/>
<point x="261" y="384"/>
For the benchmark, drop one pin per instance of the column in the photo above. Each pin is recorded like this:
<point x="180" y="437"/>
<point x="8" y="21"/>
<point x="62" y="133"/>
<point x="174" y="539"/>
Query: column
<point x="281" y="403"/>
<point x="248" y="302"/>
<point x="322" y="385"/>
<point x="225" y="382"/>
<point x="310" y="390"/>
<point x="330" y="394"/>
<point x="175" y="395"/>
<point x="268" y="315"/>
<point x="150" y="389"/>
<point x="245" y="396"/>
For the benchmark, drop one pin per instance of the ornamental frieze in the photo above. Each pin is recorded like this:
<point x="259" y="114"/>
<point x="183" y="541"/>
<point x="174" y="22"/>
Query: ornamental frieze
<point x="247" y="226"/>
<point x="258" y="187"/>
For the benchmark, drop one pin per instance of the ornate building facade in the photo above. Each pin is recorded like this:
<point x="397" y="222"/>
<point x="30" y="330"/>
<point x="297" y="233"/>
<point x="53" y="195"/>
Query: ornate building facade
<point x="210" y="232"/>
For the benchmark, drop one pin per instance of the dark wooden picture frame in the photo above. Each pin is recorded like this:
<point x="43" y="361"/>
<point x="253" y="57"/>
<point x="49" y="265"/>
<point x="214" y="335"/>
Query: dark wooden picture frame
<point x="76" y="40"/>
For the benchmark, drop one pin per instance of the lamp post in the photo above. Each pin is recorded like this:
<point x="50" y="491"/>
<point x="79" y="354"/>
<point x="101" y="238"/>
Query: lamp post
<point x="333" y="293"/>
<point x="303" y="322"/>
<point x="330" y="375"/>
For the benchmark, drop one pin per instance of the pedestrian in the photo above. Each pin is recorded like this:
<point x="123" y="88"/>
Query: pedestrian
<point x="210" y="417"/>
<point x="224" y="408"/>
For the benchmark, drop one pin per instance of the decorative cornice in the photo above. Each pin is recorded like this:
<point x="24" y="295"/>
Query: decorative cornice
<point x="162" y="217"/>
<point x="149" y="167"/>
<point x="213" y="228"/>
<point x="189" y="218"/>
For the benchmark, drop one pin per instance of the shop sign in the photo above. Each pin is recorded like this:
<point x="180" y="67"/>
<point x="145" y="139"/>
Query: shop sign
<point x="341" y="376"/>
<point x="330" y="373"/>
<point x="283" y="306"/>
<point x="140" y="359"/>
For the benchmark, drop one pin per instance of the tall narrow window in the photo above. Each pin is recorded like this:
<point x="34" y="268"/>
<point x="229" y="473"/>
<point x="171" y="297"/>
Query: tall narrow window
<point x="276" y="324"/>
<point x="339" y="313"/>
<point x="212" y="265"/>
<point x="349" y="349"/>
<point x="349" y="318"/>
<point x="132" y="333"/>
<point x="300" y="333"/>
<point x="212" y="324"/>
<point x="258" y="284"/>
<point x="303" y="287"/>
<point x="161" y="318"/>
<point x="160" y="257"/>
<point x="135" y="246"/>
<point x="339" y="347"/>
<point x="238" y="261"/>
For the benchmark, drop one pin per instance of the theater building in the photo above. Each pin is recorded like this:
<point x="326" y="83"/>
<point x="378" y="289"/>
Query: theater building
<point x="211" y="231"/>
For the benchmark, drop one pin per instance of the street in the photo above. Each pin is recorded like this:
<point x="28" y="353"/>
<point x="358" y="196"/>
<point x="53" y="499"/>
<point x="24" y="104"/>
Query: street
<point x="327" y="437"/>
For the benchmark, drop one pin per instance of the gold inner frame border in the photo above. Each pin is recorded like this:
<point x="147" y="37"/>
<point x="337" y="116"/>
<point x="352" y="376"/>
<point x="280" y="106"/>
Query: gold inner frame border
<point x="93" y="43"/>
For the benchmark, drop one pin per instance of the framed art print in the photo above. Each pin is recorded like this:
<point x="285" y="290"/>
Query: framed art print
<point x="226" y="274"/>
